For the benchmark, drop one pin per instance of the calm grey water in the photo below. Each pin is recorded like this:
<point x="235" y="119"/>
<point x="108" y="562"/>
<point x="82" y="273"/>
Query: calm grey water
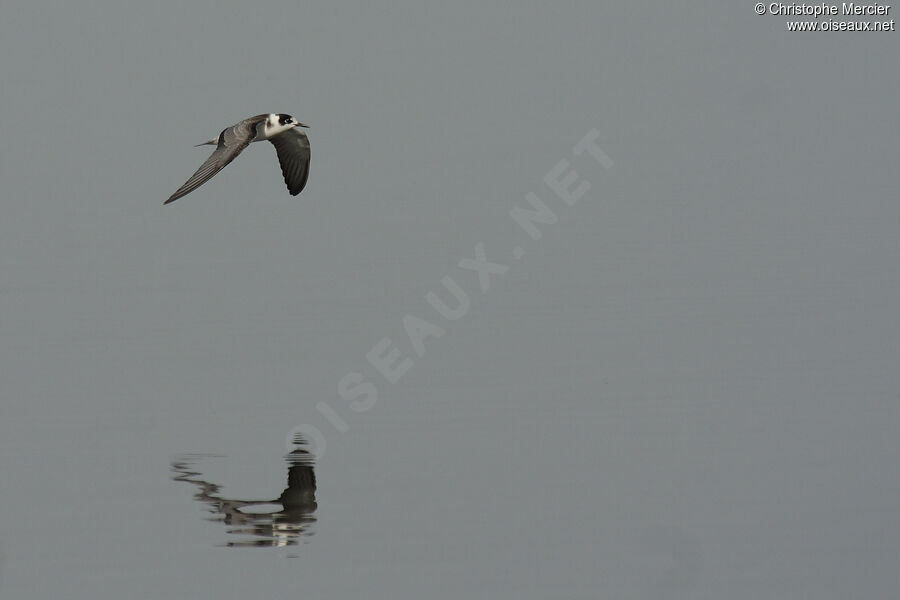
<point x="685" y="387"/>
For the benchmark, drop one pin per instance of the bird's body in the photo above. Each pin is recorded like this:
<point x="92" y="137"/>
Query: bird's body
<point x="290" y="143"/>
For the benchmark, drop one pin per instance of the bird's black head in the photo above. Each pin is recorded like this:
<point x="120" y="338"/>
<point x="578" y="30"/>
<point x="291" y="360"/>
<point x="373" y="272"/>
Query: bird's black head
<point x="284" y="119"/>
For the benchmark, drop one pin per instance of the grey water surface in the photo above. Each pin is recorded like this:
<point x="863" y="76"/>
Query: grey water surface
<point x="582" y="300"/>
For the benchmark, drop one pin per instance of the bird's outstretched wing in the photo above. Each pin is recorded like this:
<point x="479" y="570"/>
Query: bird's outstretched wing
<point x="292" y="147"/>
<point x="232" y="142"/>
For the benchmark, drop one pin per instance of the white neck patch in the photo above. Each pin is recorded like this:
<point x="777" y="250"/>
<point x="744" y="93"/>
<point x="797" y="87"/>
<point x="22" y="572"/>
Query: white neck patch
<point x="273" y="126"/>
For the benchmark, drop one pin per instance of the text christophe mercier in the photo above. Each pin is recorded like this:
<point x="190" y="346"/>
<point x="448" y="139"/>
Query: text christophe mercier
<point x="829" y="10"/>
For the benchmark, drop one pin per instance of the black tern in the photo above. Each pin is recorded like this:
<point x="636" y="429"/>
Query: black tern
<point x="290" y="143"/>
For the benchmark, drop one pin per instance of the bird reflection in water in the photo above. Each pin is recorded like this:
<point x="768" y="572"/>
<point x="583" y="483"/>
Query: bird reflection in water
<point x="268" y="528"/>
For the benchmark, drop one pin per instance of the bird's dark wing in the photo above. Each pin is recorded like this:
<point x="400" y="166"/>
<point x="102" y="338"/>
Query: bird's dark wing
<point x="292" y="147"/>
<point x="232" y="142"/>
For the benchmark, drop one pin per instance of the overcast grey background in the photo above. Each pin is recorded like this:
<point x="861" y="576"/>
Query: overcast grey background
<point x="687" y="388"/>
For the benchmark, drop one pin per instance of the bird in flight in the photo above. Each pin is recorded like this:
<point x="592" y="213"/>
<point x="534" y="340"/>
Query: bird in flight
<point x="290" y="143"/>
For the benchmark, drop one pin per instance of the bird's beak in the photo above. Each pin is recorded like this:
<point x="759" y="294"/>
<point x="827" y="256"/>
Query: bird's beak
<point x="303" y="125"/>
